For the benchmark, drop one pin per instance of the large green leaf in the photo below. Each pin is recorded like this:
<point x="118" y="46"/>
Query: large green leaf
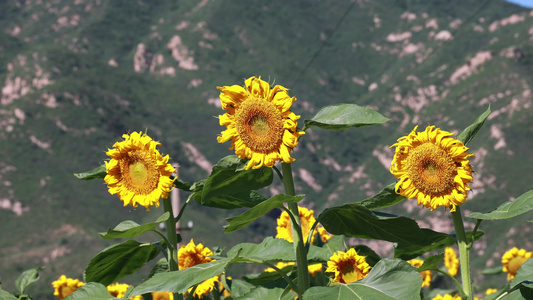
<point x="271" y="279"/>
<point x="344" y="116"/>
<point x="355" y="220"/>
<point x="96" y="173"/>
<point x="259" y="210"/>
<point x="180" y="281"/>
<point x="509" y="209"/>
<point x="5" y="295"/>
<point x="91" y="291"/>
<point x="129" y="229"/>
<point x="26" y="278"/>
<point x="267" y="294"/>
<point x="470" y="132"/>
<point x="230" y="186"/>
<point x="435" y="241"/>
<point x="324" y="253"/>
<point x="385" y="198"/>
<point x="388" y="279"/>
<point x="119" y="260"/>
<point x="270" y="250"/>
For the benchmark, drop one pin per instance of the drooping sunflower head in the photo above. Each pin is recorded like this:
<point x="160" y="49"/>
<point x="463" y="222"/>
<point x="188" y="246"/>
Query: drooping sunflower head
<point x="433" y="168"/>
<point x="284" y="228"/>
<point x="513" y="259"/>
<point x="162" y="296"/>
<point x="118" y="290"/>
<point x="348" y="266"/>
<point x="451" y="262"/>
<point x="137" y="172"/>
<point x="259" y="122"/>
<point x="191" y="255"/>
<point x="426" y="275"/>
<point x="64" y="286"/>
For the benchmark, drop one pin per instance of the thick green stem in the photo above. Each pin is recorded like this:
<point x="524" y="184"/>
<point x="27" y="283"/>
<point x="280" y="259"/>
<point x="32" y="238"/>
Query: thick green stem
<point x="464" y="252"/>
<point x="172" y="240"/>
<point x="297" y="237"/>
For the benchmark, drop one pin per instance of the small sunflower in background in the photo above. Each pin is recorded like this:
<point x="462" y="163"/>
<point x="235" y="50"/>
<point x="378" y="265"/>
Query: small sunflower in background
<point x="426" y="275"/>
<point x="447" y="297"/>
<point x="118" y="290"/>
<point x="450" y="261"/>
<point x="64" y="286"/>
<point x="307" y="219"/>
<point x="259" y="122"/>
<point x="162" y="296"/>
<point x="513" y="259"/>
<point x="348" y="266"/>
<point x="490" y="291"/>
<point x="137" y="172"/>
<point x="433" y="168"/>
<point x="191" y="255"/>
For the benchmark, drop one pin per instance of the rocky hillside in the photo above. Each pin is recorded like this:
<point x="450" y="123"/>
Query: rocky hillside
<point x="76" y="75"/>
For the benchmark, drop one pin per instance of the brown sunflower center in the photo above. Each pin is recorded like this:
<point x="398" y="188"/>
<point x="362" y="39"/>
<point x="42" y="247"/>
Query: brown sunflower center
<point x="515" y="264"/>
<point x="431" y="169"/>
<point x="139" y="172"/>
<point x="260" y="125"/>
<point x="350" y="272"/>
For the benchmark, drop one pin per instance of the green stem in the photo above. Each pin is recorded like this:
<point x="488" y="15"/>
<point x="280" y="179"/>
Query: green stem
<point x="297" y="236"/>
<point x="464" y="252"/>
<point x="172" y="240"/>
<point x="459" y="287"/>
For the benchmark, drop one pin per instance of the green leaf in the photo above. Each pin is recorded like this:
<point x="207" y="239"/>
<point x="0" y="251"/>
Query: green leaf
<point x="344" y="116"/>
<point x="259" y="210"/>
<point x="509" y="209"/>
<point x="269" y="250"/>
<point x="240" y="287"/>
<point x="159" y="267"/>
<point x="180" y="281"/>
<point x="182" y="185"/>
<point x="230" y="186"/>
<point x="26" y="278"/>
<point x="130" y="229"/>
<point x="435" y="241"/>
<point x="355" y="220"/>
<point x="470" y="132"/>
<point x="324" y="253"/>
<point x="431" y="262"/>
<point x="119" y="260"/>
<point x="96" y="173"/>
<point x="385" y="198"/>
<point x="371" y="257"/>
<point x="5" y="295"/>
<point x="492" y="271"/>
<point x="524" y="279"/>
<point x="267" y="294"/>
<point x="271" y="279"/>
<point x="91" y="291"/>
<point x="389" y="279"/>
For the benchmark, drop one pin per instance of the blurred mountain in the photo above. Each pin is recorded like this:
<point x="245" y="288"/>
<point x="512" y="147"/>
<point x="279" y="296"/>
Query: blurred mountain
<point x="76" y="75"/>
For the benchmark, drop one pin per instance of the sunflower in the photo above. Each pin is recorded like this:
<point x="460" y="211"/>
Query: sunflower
<point x="324" y="234"/>
<point x="314" y="268"/>
<point x="65" y="286"/>
<point x="348" y="266"/>
<point x="137" y="172"/>
<point x="450" y="261"/>
<point x="490" y="291"/>
<point x="446" y="297"/>
<point x="118" y="290"/>
<point x="259" y="122"/>
<point x="426" y="275"/>
<point x="191" y="255"/>
<point x="284" y="228"/>
<point x="162" y="296"/>
<point x="433" y="168"/>
<point x="513" y="259"/>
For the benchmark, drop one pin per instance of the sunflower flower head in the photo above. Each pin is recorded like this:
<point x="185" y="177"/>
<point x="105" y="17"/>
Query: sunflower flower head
<point x="64" y="286"/>
<point x="433" y="168"/>
<point x="513" y="259"/>
<point x="348" y="266"/>
<point x="137" y="172"/>
<point x="118" y="290"/>
<point x="447" y="297"/>
<point x="284" y="228"/>
<point x="451" y="262"/>
<point x="426" y="275"/>
<point x="490" y="291"/>
<point x="162" y="296"/>
<point x="259" y="122"/>
<point x="191" y="255"/>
